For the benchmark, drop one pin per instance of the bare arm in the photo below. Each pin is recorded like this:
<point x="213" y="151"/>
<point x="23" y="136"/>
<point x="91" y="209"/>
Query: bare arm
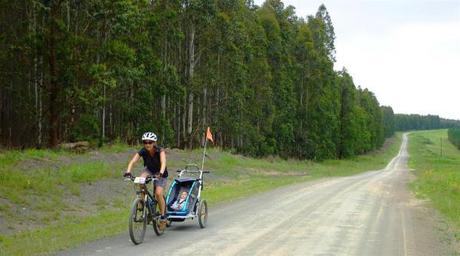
<point x="163" y="162"/>
<point x="135" y="158"/>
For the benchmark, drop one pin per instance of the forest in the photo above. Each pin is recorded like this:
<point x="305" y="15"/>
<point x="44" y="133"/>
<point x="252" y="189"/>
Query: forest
<point x="260" y="76"/>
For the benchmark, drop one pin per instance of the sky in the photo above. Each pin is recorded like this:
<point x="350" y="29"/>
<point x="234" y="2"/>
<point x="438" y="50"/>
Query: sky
<point x="406" y="51"/>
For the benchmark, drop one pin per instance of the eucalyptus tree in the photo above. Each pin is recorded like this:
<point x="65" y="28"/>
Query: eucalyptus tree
<point x="261" y="77"/>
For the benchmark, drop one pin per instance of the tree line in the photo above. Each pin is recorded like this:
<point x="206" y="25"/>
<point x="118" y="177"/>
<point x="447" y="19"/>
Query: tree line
<point x="106" y="70"/>
<point x="405" y="122"/>
<point x="454" y="136"/>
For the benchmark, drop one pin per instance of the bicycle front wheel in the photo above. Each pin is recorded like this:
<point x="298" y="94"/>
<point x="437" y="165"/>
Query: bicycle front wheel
<point x="158" y="227"/>
<point x="137" y="221"/>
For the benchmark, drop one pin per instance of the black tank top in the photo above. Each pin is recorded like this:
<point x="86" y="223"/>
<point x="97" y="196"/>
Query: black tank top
<point x="153" y="163"/>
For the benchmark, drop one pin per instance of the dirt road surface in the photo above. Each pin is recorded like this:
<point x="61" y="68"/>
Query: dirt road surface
<point x="368" y="214"/>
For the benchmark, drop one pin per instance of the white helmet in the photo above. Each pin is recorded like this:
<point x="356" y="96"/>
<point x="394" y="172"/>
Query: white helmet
<point x="149" y="136"/>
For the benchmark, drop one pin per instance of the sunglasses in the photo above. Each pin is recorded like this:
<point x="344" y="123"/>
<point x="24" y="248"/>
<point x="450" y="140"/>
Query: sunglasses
<point x="148" y="142"/>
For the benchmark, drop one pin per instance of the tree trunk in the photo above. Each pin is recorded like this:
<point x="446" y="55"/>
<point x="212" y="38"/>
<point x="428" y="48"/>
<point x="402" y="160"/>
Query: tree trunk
<point x="40" y="107"/>
<point x="163" y="117"/>
<point x="2" y="117"/>
<point x="184" y="119"/>
<point x="53" y="89"/>
<point x="203" y="112"/>
<point x="103" y="114"/>
<point x="179" y="126"/>
<point x="110" y="120"/>
<point x="37" y="83"/>
<point x="191" y="69"/>
<point x="190" y="120"/>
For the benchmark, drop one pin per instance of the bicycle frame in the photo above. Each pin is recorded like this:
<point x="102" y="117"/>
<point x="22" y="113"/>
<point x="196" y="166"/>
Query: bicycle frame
<point x="144" y="206"/>
<point x="143" y="193"/>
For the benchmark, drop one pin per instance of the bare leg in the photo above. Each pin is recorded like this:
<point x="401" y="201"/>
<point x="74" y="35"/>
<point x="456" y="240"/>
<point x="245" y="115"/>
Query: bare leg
<point x="160" y="199"/>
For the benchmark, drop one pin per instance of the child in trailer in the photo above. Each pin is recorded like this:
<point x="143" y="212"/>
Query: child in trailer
<point x="179" y="205"/>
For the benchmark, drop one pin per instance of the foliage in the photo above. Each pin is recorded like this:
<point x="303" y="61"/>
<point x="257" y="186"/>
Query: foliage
<point x="260" y="76"/>
<point x="404" y="122"/>
<point x="454" y="136"/>
<point x="388" y="121"/>
<point x="86" y="127"/>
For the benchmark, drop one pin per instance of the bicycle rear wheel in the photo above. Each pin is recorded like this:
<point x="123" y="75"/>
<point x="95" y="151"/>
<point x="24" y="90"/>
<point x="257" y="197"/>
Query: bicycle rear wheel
<point x="203" y="214"/>
<point x="137" y="221"/>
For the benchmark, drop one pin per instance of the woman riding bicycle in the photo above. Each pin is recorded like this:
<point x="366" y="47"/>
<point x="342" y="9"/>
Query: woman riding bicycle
<point x="154" y="158"/>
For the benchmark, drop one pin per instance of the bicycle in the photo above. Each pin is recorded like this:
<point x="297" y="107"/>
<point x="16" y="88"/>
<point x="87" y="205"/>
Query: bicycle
<point x="144" y="210"/>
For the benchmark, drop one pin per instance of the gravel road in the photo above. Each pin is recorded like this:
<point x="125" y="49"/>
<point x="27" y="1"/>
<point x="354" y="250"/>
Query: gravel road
<point x="368" y="214"/>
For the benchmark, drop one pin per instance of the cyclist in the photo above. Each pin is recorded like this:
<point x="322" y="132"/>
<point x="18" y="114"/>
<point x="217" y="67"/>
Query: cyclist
<point x="154" y="158"/>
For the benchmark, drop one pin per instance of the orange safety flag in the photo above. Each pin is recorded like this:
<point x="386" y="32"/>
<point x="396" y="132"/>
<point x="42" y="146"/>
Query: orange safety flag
<point x="209" y="135"/>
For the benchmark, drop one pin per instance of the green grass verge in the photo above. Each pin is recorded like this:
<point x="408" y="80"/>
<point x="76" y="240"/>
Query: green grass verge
<point x="15" y="184"/>
<point x="117" y="147"/>
<point x="234" y="166"/>
<point x="63" y="235"/>
<point x="438" y="177"/>
<point x="12" y="157"/>
<point x="237" y="177"/>
<point x="49" y="181"/>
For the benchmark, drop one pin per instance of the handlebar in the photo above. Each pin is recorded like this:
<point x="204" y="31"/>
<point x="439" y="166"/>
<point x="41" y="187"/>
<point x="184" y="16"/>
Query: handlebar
<point x="190" y="171"/>
<point x="147" y="179"/>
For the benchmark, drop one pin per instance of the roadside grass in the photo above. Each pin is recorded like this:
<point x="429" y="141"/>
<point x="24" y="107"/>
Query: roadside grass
<point x="246" y="178"/>
<point x="69" y="232"/>
<point x="235" y="166"/>
<point x="12" y="157"/>
<point x="116" y="147"/>
<point x="15" y="184"/>
<point x="234" y="177"/>
<point x="36" y="192"/>
<point x="438" y="177"/>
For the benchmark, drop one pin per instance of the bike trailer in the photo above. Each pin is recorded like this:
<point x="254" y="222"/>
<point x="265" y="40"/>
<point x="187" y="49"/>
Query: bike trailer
<point x="179" y="185"/>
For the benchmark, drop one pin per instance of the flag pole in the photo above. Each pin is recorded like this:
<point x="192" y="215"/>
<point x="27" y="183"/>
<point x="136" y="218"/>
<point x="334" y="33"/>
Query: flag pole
<point x="204" y="151"/>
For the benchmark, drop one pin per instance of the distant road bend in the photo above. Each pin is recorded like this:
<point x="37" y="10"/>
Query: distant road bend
<point x="367" y="214"/>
